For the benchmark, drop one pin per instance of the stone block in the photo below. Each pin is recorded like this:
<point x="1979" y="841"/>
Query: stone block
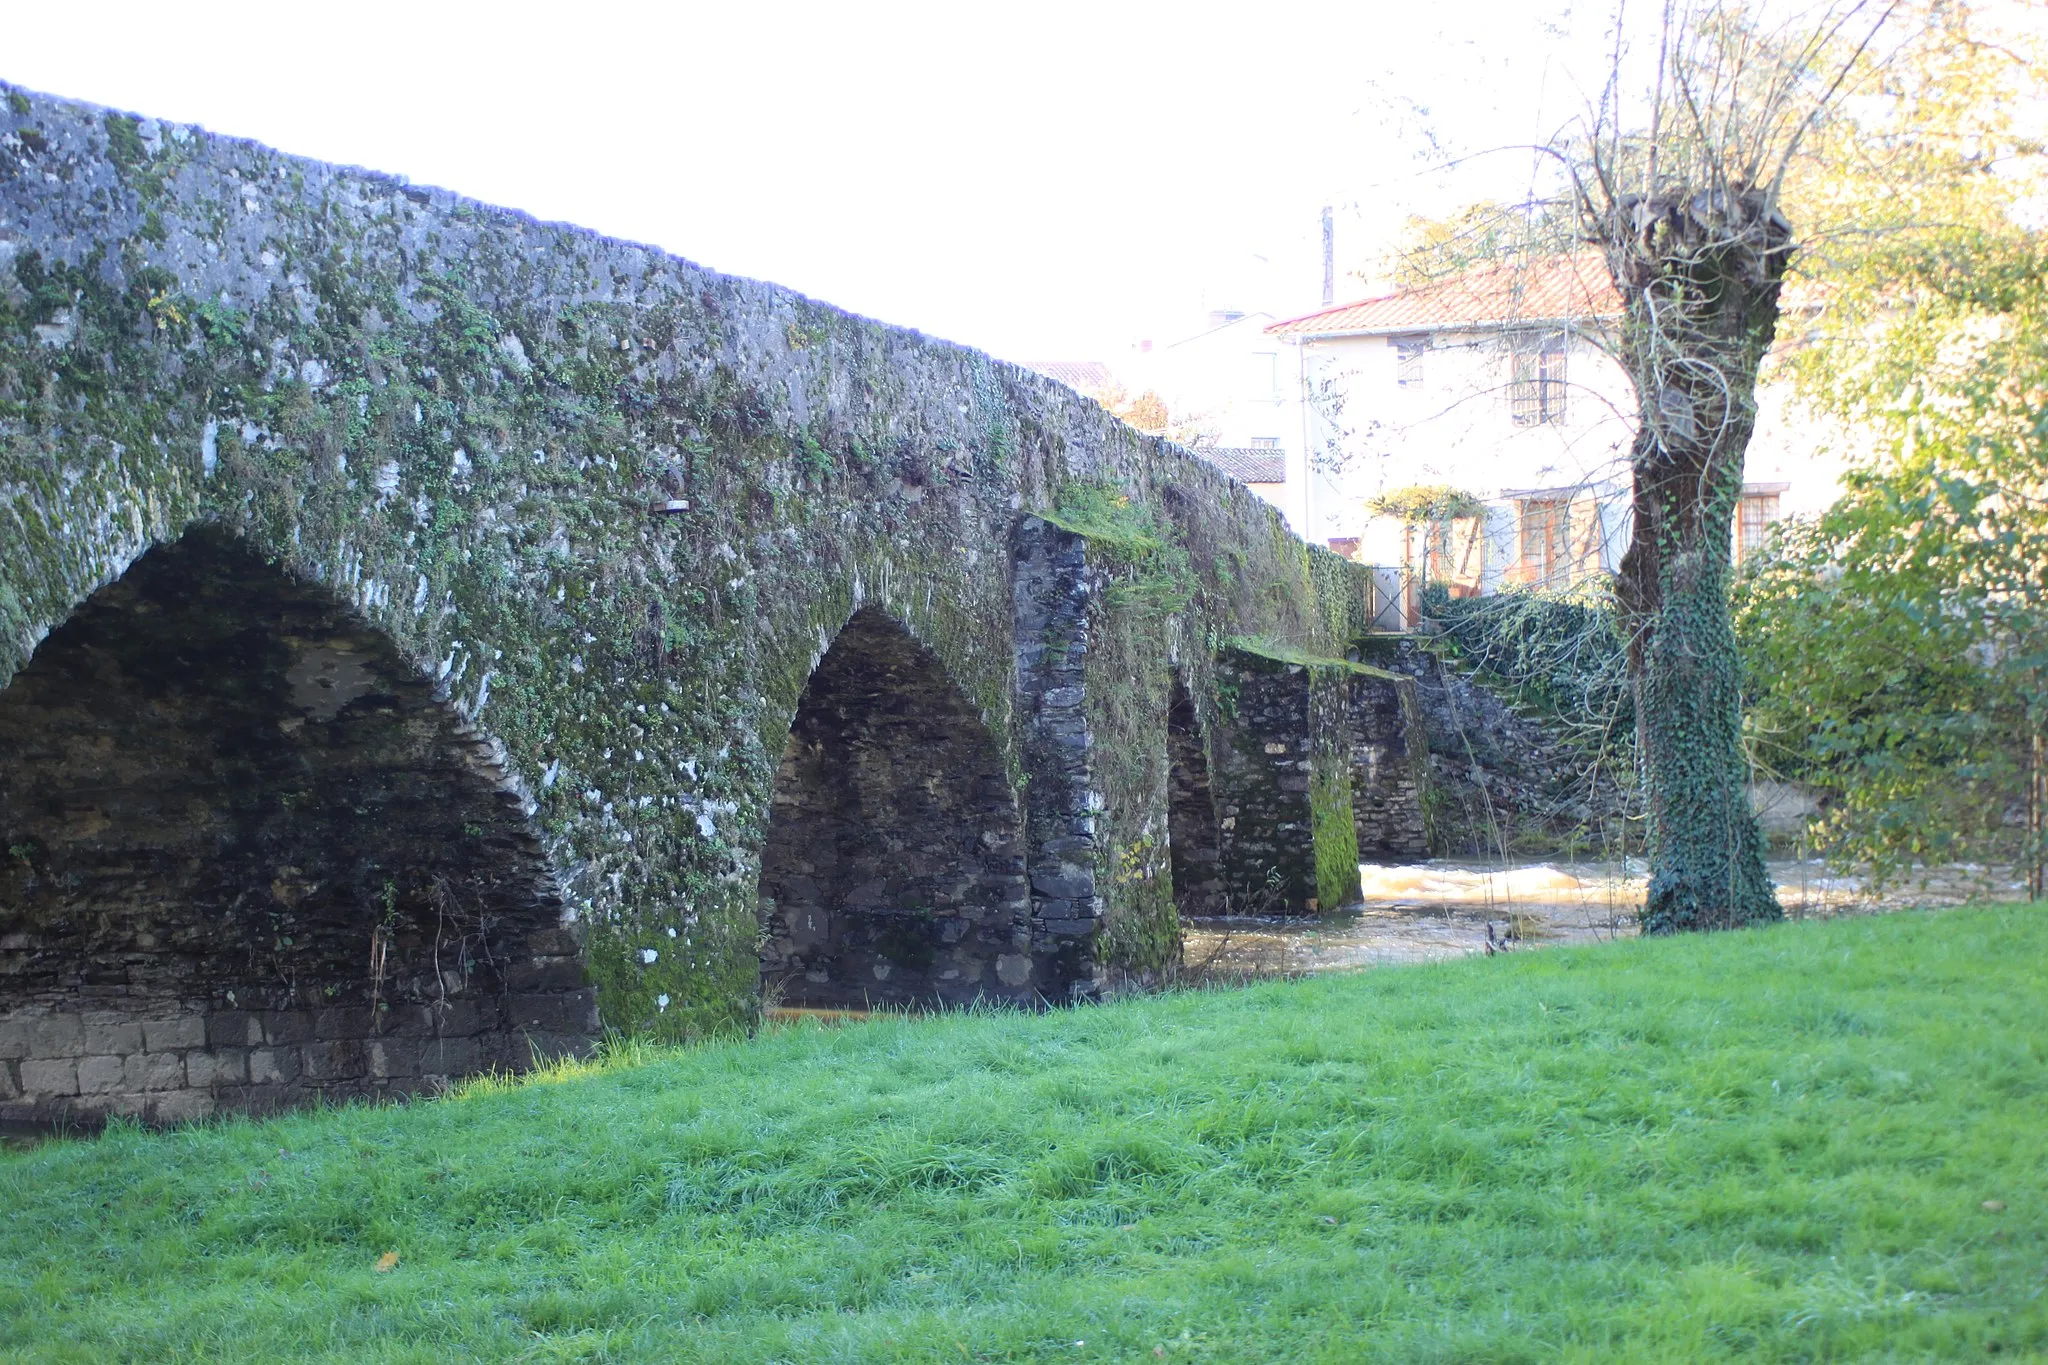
<point x="180" y="1106"/>
<point x="332" y="1060"/>
<point x="1071" y="928"/>
<point x="330" y="1025"/>
<point x="50" y="1076"/>
<point x="274" y="1066"/>
<point x="404" y="1021"/>
<point x="129" y="1106"/>
<point x="109" y="1033"/>
<point x="394" y="1057"/>
<point x="552" y="942"/>
<point x="459" y="1018"/>
<point x="544" y="974"/>
<point x="154" y="1071"/>
<point x="1064" y="880"/>
<point x="587" y="1022"/>
<point x="234" y="1028"/>
<point x="451" y="1057"/>
<point x="219" y="1067"/>
<point x="56" y="1035"/>
<point x="13" y="1039"/>
<point x="1068" y="847"/>
<point x="267" y="1099"/>
<point x="101" y="1075"/>
<point x="560" y="1012"/>
<point x="174" y="1034"/>
<point x="288" y="1026"/>
<point x="10" y="1089"/>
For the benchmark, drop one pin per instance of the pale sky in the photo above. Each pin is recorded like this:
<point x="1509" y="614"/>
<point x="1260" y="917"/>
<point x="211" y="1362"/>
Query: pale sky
<point x="1054" y="180"/>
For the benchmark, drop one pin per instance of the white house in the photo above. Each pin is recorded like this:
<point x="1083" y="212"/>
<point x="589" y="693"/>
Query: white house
<point x="1495" y="382"/>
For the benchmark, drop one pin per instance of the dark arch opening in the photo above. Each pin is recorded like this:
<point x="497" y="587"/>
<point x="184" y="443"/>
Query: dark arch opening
<point x="893" y="872"/>
<point x="1193" y="832"/>
<point x="251" y="859"/>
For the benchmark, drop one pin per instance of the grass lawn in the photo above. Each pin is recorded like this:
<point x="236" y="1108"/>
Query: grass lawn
<point x="1769" y="1145"/>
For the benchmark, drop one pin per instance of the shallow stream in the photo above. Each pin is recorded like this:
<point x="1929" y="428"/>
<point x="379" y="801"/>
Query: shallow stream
<point x="1427" y="911"/>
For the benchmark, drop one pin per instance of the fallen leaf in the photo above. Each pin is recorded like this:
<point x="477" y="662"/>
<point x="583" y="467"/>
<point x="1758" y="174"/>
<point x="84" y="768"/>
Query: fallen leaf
<point x="387" y="1263"/>
<point x="1329" y="1221"/>
<point x="1994" y="1206"/>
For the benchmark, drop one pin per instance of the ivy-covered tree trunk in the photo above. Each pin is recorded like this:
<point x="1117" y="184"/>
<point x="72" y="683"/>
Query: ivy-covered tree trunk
<point x="1699" y="275"/>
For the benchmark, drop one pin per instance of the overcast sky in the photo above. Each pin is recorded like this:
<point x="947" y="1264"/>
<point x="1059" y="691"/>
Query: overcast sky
<point x="1053" y="180"/>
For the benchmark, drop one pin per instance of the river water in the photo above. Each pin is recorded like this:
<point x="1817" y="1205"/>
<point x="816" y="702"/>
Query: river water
<point x="1441" y="909"/>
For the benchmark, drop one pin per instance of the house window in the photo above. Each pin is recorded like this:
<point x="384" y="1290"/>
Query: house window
<point x="1408" y="352"/>
<point x="1536" y="393"/>
<point x="1265" y="443"/>
<point x="1753" y="518"/>
<point x="1546" y="557"/>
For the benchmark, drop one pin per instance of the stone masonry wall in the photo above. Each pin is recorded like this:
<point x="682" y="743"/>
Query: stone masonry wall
<point x="1273" y="762"/>
<point x="1500" y="781"/>
<point x="592" y="516"/>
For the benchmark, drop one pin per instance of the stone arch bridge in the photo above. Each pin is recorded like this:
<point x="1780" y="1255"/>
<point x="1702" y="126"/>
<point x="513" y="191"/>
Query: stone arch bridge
<point x="429" y="636"/>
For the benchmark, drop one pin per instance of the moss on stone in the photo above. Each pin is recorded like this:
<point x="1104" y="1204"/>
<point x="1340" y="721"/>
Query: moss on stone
<point x="1294" y="654"/>
<point x="1336" y="835"/>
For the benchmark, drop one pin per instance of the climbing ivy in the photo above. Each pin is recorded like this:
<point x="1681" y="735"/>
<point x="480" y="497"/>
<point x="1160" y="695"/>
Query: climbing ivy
<point x="1558" y="652"/>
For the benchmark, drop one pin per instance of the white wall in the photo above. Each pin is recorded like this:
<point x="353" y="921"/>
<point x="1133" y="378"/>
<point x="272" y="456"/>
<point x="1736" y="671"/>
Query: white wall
<point x="1456" y="428"/>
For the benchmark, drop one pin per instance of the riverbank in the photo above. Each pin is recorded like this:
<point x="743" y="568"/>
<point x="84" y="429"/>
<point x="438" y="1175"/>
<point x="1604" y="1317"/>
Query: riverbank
<point x="1820" y="1140"/>
<point x="1450" y="908"/>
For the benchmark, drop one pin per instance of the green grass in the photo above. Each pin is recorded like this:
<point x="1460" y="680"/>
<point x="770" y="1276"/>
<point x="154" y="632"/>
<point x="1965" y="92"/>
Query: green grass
<point x="1769" y="1145"/>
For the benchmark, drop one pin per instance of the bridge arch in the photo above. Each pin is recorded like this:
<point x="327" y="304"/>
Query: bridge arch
<point x="893" y="870"/>
<point x="248" y="858"/>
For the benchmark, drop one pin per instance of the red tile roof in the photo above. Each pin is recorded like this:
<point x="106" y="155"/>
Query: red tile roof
<point x="1549" y="290"/>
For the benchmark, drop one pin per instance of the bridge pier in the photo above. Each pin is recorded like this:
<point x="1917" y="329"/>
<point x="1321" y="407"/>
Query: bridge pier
<point x="1053" y="593"/>
<point x="1389" y="764"/>
<point x="1283" y="782"/>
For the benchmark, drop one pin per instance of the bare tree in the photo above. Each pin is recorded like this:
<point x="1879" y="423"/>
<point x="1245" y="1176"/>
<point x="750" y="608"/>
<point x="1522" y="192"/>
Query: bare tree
<point x="1681" y="190"/>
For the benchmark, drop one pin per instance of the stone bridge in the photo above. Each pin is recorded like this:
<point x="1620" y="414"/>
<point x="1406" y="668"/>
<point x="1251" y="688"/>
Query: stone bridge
<point x="429" y="637"/>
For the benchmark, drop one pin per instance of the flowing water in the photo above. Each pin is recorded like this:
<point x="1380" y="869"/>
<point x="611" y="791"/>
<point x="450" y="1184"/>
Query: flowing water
<point x="1440" y="909"/>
